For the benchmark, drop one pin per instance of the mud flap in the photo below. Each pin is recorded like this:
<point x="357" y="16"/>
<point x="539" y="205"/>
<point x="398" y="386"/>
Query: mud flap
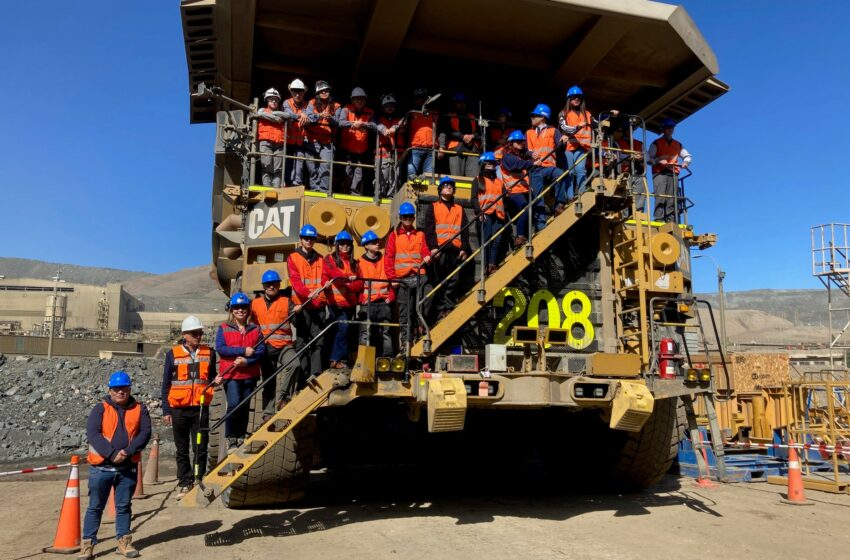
<point x="631" y="407"/>
<point x="446" y="405"/>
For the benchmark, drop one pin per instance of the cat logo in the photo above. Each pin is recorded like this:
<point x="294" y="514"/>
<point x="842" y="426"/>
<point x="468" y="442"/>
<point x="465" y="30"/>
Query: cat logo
<point x="274" y="224"/>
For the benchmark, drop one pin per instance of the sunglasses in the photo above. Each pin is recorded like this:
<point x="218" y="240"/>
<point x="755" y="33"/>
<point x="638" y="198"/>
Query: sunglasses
<point x="196" y="334"/>
<point x="122" y="389"/>
<point x="239" y="308"/>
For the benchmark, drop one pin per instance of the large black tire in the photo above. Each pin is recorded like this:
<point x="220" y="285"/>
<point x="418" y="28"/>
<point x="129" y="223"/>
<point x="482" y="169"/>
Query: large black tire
<point x="280" y="476"/>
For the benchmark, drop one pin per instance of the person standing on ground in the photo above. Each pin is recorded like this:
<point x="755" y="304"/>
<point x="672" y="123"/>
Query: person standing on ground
<point x="293" y="112"/>
<point x="340" y="270"/>
<point x="118" y="429"/>
<point x="443" y="220"/>
<point x="487" y="196"/>
<point x="270" y="135"/>
<point x="460" y="137"/>
<point x="406" y="253"/>
<point x="668" y="157"/>
<point x="356" y="121"/>
<point x="187" y="377"/>
<point x="377" y="297"/>
<point x="271" y="311"/>
<point x="237" y="342"/>
<point x="322" y="114"/>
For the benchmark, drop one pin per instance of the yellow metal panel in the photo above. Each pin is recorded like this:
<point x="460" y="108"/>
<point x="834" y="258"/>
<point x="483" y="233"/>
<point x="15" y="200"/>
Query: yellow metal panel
<point x="364" y="367"/>
<point x="633" y="403"/>
<point x="446" y="405"/>
<point x="613" y="365"/>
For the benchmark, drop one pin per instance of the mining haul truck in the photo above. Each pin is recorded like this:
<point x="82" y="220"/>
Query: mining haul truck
<point x="575" y="350"/>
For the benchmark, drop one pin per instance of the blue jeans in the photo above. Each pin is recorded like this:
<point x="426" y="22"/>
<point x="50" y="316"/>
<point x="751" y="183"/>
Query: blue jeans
<point x="517" y="204"/>
<point x="236" y="390"/>
<point x="419" y="161"/>
<point x="101" y="481"/>
<point x="541" y="177"/>
<point x="341" y="333"/>
<point x="578" y="175"/>
<point x="489" y="227"/>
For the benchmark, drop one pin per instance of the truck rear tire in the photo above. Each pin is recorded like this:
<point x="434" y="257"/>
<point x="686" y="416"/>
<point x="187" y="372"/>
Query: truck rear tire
<point x="280" y="476"/>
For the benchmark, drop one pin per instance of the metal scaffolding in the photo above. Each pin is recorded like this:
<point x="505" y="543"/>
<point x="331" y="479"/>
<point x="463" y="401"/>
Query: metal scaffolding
<point x="831" y="265"/>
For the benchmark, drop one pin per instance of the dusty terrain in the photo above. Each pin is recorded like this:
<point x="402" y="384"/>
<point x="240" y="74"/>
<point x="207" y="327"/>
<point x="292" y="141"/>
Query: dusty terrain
<point x="446" y="516"/>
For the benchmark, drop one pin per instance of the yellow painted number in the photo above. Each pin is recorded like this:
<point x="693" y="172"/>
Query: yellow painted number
<point x="501" y="336"/>
<point x="576" y="306"/>
<point x="552" y="310"/>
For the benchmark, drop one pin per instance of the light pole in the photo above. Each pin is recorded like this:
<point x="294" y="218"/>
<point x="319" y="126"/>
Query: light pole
<point x="53" y="313"/>
<point x="721" y="299"/>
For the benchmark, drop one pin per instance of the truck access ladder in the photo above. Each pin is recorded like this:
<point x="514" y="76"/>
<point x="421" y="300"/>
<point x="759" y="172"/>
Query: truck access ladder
<point x="265" y="438"/>
<point x="508" y="270"/>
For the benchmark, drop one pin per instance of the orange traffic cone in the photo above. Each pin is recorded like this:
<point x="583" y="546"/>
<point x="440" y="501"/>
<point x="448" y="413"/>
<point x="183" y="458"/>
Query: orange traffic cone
<point x="796" y="493"/>
<point x="68" y="532"/>
<point x="140" y="483"/>
<point x="152" y="468"/>
<point x="110" y="506"/>
<point x="704" y="481"/>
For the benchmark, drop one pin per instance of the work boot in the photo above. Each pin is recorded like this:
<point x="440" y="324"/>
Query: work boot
<point x="182" y="491"/>
<point x="232" y="444"/>
<point x="519" y="241"/>
<point x="125" y="547"/>
<point x="86" y="550"/>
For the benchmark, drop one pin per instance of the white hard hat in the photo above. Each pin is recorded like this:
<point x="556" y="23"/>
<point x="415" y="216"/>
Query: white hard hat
<point x="387" y="99"/>
<point x="191" y="323"/>
<point x="297" y="84"/>
<point x="358" y="92"/>
<point x="271" y="92"/>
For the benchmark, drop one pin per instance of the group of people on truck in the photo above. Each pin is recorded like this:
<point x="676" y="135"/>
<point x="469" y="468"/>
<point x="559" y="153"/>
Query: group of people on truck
<point x="299" y="141"/>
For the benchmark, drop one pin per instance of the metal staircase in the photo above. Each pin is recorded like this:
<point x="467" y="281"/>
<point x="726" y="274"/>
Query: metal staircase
<point x="508" y="270"/>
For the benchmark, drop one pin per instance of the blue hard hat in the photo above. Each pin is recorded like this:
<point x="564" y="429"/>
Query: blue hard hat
<point x="270" y="276"/>
<point x="668" y="123"/>
<point x="504" y="111"/>
<point x="542" y="110"/>
<point x="239" y="299"/>
<point x="119" y="379"/>
<point x="406" y="209"/>
<point x="447" y="181"/>
<point x="343" y="236"/>
<point x="459" y="96"/>
<point x="368" y="237"/>
<point x="516" y="136"/>
<point x="575" y="91"/>
<point x="307" y="231"/>
<point x="487" y="157"/>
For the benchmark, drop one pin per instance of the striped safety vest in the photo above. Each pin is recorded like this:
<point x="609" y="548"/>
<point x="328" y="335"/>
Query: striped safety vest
<point x="541" y="144"/>
<point x="270" y="316"/>
<point x="582" y="137"/>
<point x="373" y="291"/>
<point x="189" y="377"/>
<point x="408" y="253"/>
<point x="489" y="191"/>
<point x="447" y="221"/>
<point x="311" y="276"/>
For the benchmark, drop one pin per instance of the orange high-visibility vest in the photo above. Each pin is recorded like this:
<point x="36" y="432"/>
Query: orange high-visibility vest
<point x="669" y="151"/>
<point x="516" y="182"/>
<point x="623" y="144"/>
<point x="188" y="380"/>
<point x="270" y="316"/>
<point x="386" y="141"/>
<point x="454" y="123"/>
<point x="542" y="144"/>
<point x="356" y="141"/>
<point x="491" y="192"/>
<point x="132" y="423"/>
<point x="338" y="297"/>
<point x="322" y="131"/>
<point x="373" y="291"/>
<point x="421" y="130"/>
<point x="447" y="221"/>
<point x="294" y="133"/>
<point x="408" y="255"/>
<point x="267" y="130"/>
<point x="581" y="138"/>
<point x="311" y="276"/>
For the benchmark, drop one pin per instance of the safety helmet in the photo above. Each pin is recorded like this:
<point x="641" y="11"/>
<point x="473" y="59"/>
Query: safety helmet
<point x="447" y="181"/>
<point x="387" y="98"/>
<point x="487" y="157"/>
<point x="668" y="123"/>
<point x="343" y="236"/>
<point x="406" y="209"/>
<point x="321" y="86"/>
<point x="191" y="323"/>
<point x="420" y="92"/>
<point x="459" y="96"/>
<point x="358" y="92"/>
<point x="297" y="84"/>
<point x="271" y="92"/>
<point x="516" y="136"/>
<point x="120" y="379"/>
<point x="505" y="111"/>
<point x="239" y="299"/>
<point x="369" y="237"/>
<point x="575" y="91"/>
<point x="270" y="276"/>
<point x="307" y="231"/>
<point x="542" y="110"/>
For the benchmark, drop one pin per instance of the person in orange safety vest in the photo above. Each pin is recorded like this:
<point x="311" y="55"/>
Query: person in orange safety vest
<point x="419" y="124"/>
<point x="377" y="297"/>
<point x="323" y="118"/>
<point x="488" y="196"/>
<point x="389" y="124"/>
<point x="459" y="135"/>
<point x="270" y="131"/>
<point x="356" y="125"/>
<point x="340" y="270"/>
<point x="667" y="157"/>
<point x="294" y="113"/>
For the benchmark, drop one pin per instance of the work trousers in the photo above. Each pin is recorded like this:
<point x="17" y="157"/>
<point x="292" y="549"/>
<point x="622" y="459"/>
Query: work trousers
<point x="518" y="204"/>
<point x="640" y="192"/>
<point x="185" y="422"/>
<point x="320" y="171"/>
<point x="667" y="207"/>
<point x="380" y="336"/>
<point x="268" y="366"/>
<point x="577" y="176"/>
<point x="489" y="228"/>
<point x="294" y="175"/>
<point x="542" y="177"/>
<point x="271" y="162"/>
<point x="444" y="266"/>
<point x="236" y="390"/>
<point x="419" y="161"/>
<point x="358" y="180"/>
<point x="410" y="290"/>
<point x="340" y="336"/>
<point x="309" y="323"/>
<point x="292" y="376"/>
<point x="386" y="179"/>
<point x="464" y="166"/>
<point x="101" y="482"/>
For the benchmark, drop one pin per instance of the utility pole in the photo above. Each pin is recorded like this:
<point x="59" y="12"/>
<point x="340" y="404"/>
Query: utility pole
<point x="53" y="314"/>
<point x="721" y="300"/>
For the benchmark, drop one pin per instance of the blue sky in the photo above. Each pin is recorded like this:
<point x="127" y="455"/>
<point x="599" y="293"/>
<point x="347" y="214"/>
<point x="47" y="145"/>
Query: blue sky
<point x="99" y="166"/>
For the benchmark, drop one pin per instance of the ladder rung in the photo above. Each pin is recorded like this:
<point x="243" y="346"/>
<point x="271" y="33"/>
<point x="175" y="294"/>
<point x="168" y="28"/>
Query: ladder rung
<point x="626" y="264"/>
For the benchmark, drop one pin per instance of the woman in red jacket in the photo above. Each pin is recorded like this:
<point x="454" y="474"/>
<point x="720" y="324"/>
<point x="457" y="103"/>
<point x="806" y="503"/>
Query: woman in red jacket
<point x="341" y="267"/>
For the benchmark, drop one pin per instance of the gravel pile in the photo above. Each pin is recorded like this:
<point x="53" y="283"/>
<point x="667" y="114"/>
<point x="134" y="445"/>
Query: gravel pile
<point x="44" y="403"/>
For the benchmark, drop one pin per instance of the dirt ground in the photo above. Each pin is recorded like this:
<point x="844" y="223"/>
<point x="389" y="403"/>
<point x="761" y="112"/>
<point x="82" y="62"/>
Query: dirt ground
<point x="398" y="515"/>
